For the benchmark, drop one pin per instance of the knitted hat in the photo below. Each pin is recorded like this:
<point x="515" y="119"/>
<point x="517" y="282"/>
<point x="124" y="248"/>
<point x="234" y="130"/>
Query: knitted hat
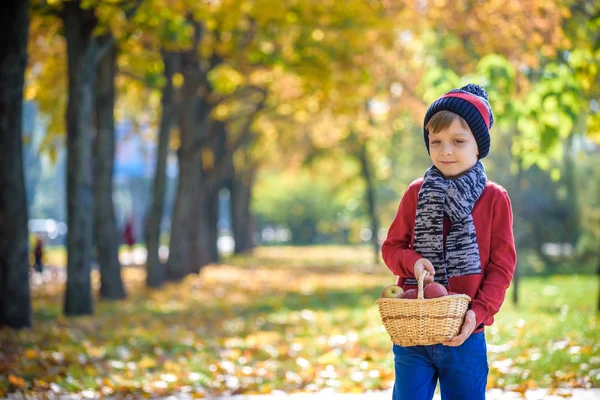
<point x="471" y="103"/>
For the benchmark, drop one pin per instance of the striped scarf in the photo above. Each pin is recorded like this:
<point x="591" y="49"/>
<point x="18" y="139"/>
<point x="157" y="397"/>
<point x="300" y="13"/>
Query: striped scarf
<point x="455" y="199"/>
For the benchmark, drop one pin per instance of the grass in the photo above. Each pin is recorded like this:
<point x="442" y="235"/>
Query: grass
<point x="552" y="338"/>
<point x="57" y="255"/>
<point x="291" y="319"/>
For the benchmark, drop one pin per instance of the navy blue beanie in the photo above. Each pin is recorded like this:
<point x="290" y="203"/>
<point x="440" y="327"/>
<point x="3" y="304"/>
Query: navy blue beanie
<point x="471" y="103"/>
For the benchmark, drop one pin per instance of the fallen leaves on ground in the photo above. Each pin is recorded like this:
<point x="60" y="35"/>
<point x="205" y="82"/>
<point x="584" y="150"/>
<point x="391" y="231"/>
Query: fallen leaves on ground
<point x="253" y="330"/>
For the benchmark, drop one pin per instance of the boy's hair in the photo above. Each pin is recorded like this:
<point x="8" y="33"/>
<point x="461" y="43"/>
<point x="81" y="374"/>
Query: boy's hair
<point x="443" y="119"/>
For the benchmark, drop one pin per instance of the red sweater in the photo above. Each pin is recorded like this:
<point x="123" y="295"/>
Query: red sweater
<point x="492" y="215"/>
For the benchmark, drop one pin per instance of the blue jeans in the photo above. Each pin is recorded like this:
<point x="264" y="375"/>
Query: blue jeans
<point x="462" y="371"/>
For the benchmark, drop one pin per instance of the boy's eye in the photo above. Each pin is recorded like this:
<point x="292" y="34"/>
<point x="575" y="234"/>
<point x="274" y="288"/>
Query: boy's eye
<point x="435" y="142"/>
<point x="460" y="141"/>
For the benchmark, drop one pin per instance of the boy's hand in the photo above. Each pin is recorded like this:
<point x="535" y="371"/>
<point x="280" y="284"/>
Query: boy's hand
<point x="467" y="328"/>
<point x="424" y="264"/>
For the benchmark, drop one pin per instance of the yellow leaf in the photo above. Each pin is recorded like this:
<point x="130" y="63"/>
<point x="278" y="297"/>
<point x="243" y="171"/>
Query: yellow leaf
<point x="147" y="362"/>
<point x="31" y="353"/>
<point x="266" y="389"/>
<point x="41" y="383"/>
<point x="331" y="357"/>
<point x="31" y="92"/>
<point x="491" y="383"/>
<point x="221" y="111"/>
<point x="208" y="158"/>
<point x="90" y="370"/>
<point x="177" y="80"/>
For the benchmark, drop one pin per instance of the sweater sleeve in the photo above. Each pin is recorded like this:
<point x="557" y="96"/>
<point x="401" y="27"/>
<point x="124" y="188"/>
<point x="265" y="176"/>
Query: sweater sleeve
<point x="396" y="249"/>
<point x="501" y="266"/>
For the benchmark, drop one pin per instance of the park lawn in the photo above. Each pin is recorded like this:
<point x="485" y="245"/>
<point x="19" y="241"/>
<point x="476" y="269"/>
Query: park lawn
<point x="252" y="328"/>
<point x="57" y="255"/>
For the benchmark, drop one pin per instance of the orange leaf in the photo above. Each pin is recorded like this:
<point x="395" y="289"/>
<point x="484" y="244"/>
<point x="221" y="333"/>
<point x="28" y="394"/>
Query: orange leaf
<point x="16" y="381"/>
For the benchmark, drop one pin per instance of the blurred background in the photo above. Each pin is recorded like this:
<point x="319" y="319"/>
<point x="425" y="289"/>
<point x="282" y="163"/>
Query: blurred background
<point x="308" y="117"/>
<point x="177" y="137"/>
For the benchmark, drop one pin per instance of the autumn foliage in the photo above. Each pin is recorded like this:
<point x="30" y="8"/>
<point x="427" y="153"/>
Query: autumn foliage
<point x="277" y="321"/>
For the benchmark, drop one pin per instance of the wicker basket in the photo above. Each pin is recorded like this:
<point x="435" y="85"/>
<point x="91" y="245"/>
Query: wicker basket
<point x="420" y="321"/>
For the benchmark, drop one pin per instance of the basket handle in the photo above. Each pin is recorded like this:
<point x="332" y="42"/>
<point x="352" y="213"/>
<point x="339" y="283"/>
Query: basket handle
<point x="420" y="292"/>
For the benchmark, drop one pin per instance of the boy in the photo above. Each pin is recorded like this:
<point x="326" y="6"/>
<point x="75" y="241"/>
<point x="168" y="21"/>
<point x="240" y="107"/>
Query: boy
<point x="457" y="225"/>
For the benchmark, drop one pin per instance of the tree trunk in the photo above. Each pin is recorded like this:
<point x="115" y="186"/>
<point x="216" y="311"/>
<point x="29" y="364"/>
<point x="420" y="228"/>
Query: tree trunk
<point x="204" y="231"/>
<point x="106" y="233"/>
<point x="155" y="269"/>
<point x="15" y="299"/>
<point x="190" y="167"/>
<point x="517" y="207"/>
<point x="370" y="197"/>
<point x="572" y="223"/>
<point x="190" y="246"/>
<point x="213" y="225"/>
<point x="200" y="252"/>
<point x="194" y="122"/>
<point x="82" y="51"/>
<point x="186" y="208"/>
<point x="240" y="179"/>
<point x="220" y="153"/>
<point x="242" y="220"/>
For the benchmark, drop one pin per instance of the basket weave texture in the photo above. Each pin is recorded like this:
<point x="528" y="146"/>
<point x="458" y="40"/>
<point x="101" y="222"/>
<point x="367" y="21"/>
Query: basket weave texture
<point x="420" y="321"/>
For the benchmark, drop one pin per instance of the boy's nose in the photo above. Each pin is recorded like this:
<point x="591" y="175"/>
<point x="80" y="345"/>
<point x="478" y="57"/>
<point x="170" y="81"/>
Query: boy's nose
<point x="446" y="149"/>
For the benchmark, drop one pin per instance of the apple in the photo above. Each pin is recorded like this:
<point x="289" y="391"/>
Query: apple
<point x="434" y="290"/>
<point x="392" y="291"/>
<point x="410" y="294"/>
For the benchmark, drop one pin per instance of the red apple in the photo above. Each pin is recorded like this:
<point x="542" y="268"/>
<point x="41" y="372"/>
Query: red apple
<point x="410" y="294"/>
<point x="392" y="291"/>
<point x="434" y="290"/>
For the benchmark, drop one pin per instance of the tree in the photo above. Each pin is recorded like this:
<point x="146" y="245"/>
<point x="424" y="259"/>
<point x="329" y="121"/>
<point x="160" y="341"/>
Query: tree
<point x="224" y="45"/>
<point x="107" y="237"/>
<point x="357" y="147"/>
<point x="150" y="68"/>
<point x="91" y="53"/>
<point x="105" y="229"/>
<point x="84" y="51"/>
<point x="242" y="220"/>
<point x="82" y="55"/>
<point x="584" y="60"/>
<point x="169" y="104"/>
<point x="15" y="302"/>
<point x="222" y="172"/>
<point x="189" y="157"/>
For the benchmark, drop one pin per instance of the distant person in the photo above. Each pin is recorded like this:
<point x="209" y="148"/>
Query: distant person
<point x="128" y="234"/>
<point x="38" y="254"/>
<point x="457" y="225"/>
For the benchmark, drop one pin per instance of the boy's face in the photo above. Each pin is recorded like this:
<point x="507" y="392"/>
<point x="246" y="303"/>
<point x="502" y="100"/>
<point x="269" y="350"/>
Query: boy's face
<point x="453" y="150"/>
